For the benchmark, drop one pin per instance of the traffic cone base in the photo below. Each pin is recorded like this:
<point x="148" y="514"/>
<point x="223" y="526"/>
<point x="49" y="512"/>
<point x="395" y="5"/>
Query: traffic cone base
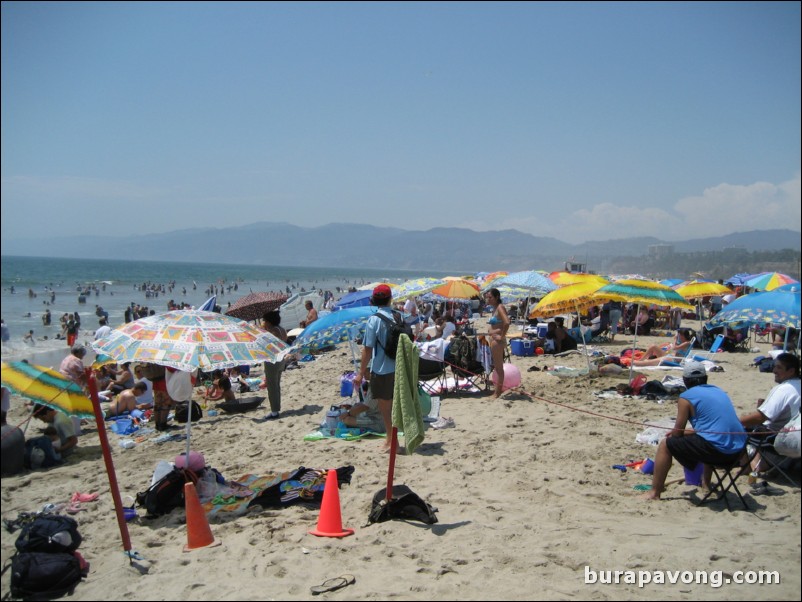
<point x="329" y="523"/>
<point x="199" y="534"/>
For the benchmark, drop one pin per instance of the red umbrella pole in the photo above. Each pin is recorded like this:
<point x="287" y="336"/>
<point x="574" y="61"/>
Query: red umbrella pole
<point x="104" y="445"/>
<point x="391" y="468"/>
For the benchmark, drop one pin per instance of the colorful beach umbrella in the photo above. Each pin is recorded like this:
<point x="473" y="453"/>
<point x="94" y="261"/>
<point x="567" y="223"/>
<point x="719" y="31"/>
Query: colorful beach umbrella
<point x="47" y="387"/>
<point x="696" y="289"/>
<point x="416" y="287"/>
<point x="566" y="278"/>
<point x="769" y="281"/>
<point x="775" y="307"/>
<point x="336" y="327"/>
<point x="642" y="292"/>
<point x="253" y="306"/>
<point x="190" y="339"/>
<point x="534" y="281"/>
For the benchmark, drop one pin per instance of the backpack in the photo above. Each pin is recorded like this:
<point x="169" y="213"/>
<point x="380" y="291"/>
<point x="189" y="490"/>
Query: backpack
<point x="44" y="576"/>
<point x="49" y="533"/>
<point x="395" y="328"/>
<point x="182" y="412"/>
<point x="166" y="493"/>
<point x="404" y="504"/>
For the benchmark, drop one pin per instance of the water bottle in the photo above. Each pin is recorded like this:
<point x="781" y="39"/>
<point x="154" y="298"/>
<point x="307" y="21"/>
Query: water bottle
<point x="332" y="417"/>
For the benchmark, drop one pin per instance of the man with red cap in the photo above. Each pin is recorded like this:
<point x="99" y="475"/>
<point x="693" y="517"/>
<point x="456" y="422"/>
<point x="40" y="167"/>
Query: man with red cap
<point x="382" y="367"/>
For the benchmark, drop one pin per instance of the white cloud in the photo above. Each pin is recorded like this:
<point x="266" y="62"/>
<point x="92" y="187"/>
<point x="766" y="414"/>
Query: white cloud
<point x="719" y="210"/>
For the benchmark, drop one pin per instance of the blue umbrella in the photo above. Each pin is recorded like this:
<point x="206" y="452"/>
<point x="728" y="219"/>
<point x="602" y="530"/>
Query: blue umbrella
<point x="355" y="299"/>
<point x="775" y="307"/>
<point x="336" y="327"/>
<point x="534" y="281"/>
<point x="209" y="304"/>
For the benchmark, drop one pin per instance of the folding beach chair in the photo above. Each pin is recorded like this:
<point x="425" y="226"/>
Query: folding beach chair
<point x="712" y="351"/>
<point x="464" y="365"/>
<point x="771" y="461"/>
<point x="726" y="476"/>
<point x="432" y="376"/>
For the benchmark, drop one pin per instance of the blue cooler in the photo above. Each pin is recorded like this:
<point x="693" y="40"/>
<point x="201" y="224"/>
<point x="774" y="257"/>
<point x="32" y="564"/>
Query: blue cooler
<point x="522" y="347"/>
<point x="542" y="329"/>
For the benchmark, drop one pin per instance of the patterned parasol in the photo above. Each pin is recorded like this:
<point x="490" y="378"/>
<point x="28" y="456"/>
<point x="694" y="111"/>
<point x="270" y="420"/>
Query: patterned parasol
<point x="253" y="306"/>
<point x="187" y="340"/>
<point x="775" y="307"/>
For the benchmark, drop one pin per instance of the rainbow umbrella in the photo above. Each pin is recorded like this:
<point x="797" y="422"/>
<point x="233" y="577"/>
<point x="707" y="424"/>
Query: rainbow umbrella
<point x="47" y="387"/>
<point x="190" y="339"/>
<point x="768" y="281"/>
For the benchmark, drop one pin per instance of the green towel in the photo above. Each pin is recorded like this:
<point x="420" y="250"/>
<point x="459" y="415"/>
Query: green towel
<point x="407" y="415"/>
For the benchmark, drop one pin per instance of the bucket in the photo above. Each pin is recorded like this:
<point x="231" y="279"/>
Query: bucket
<point x="694" y="477"/>
<point x="647" y="467"/>
<point x="346" y="387"/>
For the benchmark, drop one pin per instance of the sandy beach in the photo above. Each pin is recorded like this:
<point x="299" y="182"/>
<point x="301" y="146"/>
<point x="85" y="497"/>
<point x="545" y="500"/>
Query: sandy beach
<point x="529" y="505"/>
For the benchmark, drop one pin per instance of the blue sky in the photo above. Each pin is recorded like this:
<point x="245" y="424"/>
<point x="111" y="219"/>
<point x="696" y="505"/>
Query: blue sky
<point x="582" y="121"/>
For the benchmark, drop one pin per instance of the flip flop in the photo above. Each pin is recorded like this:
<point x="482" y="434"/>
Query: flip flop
<point x="74" y="508"/>
<point x="331" y="585"/>
<point x="84" y="497"/>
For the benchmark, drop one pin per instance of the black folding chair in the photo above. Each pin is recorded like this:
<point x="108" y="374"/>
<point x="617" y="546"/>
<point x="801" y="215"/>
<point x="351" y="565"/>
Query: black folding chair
<point x="726" y="476"/>
<point x="774" y="461"/>
<point x="432" y="376"/>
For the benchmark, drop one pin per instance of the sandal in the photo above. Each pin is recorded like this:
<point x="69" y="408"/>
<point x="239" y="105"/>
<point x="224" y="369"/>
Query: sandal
<point x="84" y="497"/>
<point x="331" y="585"/>
<point x="74" y="508"/>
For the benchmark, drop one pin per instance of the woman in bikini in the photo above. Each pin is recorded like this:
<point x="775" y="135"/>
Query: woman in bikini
<point x="656" y="354"/>
<point x="499" y="324"/>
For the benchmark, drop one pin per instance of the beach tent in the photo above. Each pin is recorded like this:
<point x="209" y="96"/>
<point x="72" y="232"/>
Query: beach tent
<point x="293" y="310"/>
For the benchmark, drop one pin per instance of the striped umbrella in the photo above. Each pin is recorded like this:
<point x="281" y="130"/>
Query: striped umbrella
<point x="415" y="287"/>
<point x="769" y="281"/>
<point x="47" y="387"/>
<point x="457" y="289"/>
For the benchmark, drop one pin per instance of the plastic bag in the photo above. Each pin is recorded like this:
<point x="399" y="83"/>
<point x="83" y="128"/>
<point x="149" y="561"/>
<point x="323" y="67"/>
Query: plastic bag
<point x="787" y="441"/>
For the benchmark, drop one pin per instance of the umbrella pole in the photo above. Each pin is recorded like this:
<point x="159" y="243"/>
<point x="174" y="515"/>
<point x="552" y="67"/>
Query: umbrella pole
<point x="634" y="343"/>
<point x="189" y="427"/>
<point x="104" y="445"/>
<point x="582" y="336"/>
<point x="388" y="496"/>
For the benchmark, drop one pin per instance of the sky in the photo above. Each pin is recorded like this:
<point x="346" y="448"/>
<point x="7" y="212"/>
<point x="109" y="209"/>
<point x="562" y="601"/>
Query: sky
<point x="580" y="121"/>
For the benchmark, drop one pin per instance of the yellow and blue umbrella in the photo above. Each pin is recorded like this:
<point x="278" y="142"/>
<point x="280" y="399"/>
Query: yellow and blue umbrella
<point x="415" y="287"/>
<point x="642" y="292"/>
<point x="775" y="307"/>
<point x="47" y="387"/>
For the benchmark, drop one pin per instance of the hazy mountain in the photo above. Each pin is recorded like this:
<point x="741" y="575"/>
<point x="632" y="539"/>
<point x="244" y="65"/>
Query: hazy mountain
<point x="348" y="245"/>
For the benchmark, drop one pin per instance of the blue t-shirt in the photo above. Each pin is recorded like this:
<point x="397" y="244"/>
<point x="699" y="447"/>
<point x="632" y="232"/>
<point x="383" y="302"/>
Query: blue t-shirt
<point x="713" y="415"/>
<point x="376" y="339"/>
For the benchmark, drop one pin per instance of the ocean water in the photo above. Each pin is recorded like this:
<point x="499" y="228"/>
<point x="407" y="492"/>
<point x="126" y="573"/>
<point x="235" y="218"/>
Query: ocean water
<point x="32" y="285"/>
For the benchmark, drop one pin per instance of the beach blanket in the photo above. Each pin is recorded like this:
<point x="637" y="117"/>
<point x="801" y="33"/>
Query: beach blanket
<point x="347" y="434"/>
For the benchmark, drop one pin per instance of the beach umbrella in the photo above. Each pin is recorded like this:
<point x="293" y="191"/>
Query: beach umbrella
<point x="641" y="292"/>
<point x="372" y="285"/>
<point x="792" y="287"/>
<point x="775" y="307"/>
<point x="336" y="327"/>
<point x="566" y="278"/>
<point x="254" y="305"/>
<point x="190" y="339"/>
<point x="209" y="304"/>
<point x="510" y="294"/>
<point x="697" y="290"/>
<point x="47" y="387"/>
<point x="358" y="298"/>
<point x="415" y="287"/>
<point x="768" y="281"/>
<point x="672" y="282"/>
<point x="571" y="298"/>
<point x="456" y="289"/>
<point x="534" y="281"/>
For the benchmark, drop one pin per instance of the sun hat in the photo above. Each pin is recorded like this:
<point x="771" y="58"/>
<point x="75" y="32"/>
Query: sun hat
<point x="693" y="370"/>
<point x="382" y="292"/>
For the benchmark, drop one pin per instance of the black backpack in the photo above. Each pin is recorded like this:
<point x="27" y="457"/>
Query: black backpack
<point x="49" y="533"/>
<point x="44" y="576"/>
<point x="182" y="411"/>
<point x="166" y="493"/>
<point x="395" y="328"/>
<point x="404" y="504"/>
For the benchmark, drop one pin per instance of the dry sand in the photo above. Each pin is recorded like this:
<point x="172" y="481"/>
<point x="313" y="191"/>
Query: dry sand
<point x="528" y="503"/>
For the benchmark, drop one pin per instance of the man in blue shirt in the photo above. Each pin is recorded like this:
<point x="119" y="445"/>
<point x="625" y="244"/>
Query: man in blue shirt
<point x="717" y="436"/>
<point x="382" y="368"/>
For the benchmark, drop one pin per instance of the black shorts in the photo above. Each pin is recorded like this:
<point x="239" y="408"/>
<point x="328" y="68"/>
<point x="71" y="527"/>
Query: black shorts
<point x="692" y="449"/>
<point x="382" y="385"/>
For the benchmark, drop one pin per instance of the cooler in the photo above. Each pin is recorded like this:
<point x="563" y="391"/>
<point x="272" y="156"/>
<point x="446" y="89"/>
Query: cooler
<point x="522" y="347"/>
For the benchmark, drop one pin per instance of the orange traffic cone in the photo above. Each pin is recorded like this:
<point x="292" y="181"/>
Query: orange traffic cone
<point x="199" y="534"/>
<point x="329" y="523"/>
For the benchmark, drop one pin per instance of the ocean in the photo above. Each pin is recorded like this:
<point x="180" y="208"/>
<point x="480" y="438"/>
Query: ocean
<point x="32" y="285"/>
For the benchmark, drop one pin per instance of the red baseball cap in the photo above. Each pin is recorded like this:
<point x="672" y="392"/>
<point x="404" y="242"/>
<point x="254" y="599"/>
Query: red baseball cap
<point x="382" y="292"/>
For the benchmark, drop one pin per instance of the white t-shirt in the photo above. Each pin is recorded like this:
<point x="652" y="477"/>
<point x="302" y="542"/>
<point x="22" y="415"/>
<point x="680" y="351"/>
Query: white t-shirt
<point x="782" y="404"/>
<point x="102" y="331"/>
<point x="147" y="396"/>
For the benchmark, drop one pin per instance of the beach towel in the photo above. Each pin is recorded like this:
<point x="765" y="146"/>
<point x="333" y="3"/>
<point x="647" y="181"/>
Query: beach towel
<point x="407" y="415"/>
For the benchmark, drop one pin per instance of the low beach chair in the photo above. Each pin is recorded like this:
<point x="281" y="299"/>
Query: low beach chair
<point x="726" y="476"/>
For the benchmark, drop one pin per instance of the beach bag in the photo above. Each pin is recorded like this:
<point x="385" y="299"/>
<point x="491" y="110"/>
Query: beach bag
<point x="179" y="384"/>
<point x="395" y="328"/>
<point x="44" y="576"/>
<point x="404" y="504"/>
<point x="182" y="411"/>
<point x="49" y="533"/>
<point x="636" y="384"/>
<point x="787" y="441"/>
<point x="166" y="493"/>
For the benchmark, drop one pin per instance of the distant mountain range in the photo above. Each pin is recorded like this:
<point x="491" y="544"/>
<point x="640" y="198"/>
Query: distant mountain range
<point x="359" y="245"/>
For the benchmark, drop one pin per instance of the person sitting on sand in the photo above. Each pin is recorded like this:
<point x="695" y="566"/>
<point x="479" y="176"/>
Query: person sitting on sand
<point x="126" y="401"/>
<point x="63" y="425"/>
<point x="562" y="340"/>
<point x="717" y="437"/>
<point x="55" y="440"/>
<point x="221" y="390"/>
<point x="311" y="314"/>
<point x="365" y="414"/>
<point x="657" y="354"/>
<point x="123" y="379"/>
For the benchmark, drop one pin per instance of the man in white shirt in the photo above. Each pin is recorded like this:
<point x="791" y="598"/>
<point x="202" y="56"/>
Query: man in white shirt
<point x="104" y="329"/>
